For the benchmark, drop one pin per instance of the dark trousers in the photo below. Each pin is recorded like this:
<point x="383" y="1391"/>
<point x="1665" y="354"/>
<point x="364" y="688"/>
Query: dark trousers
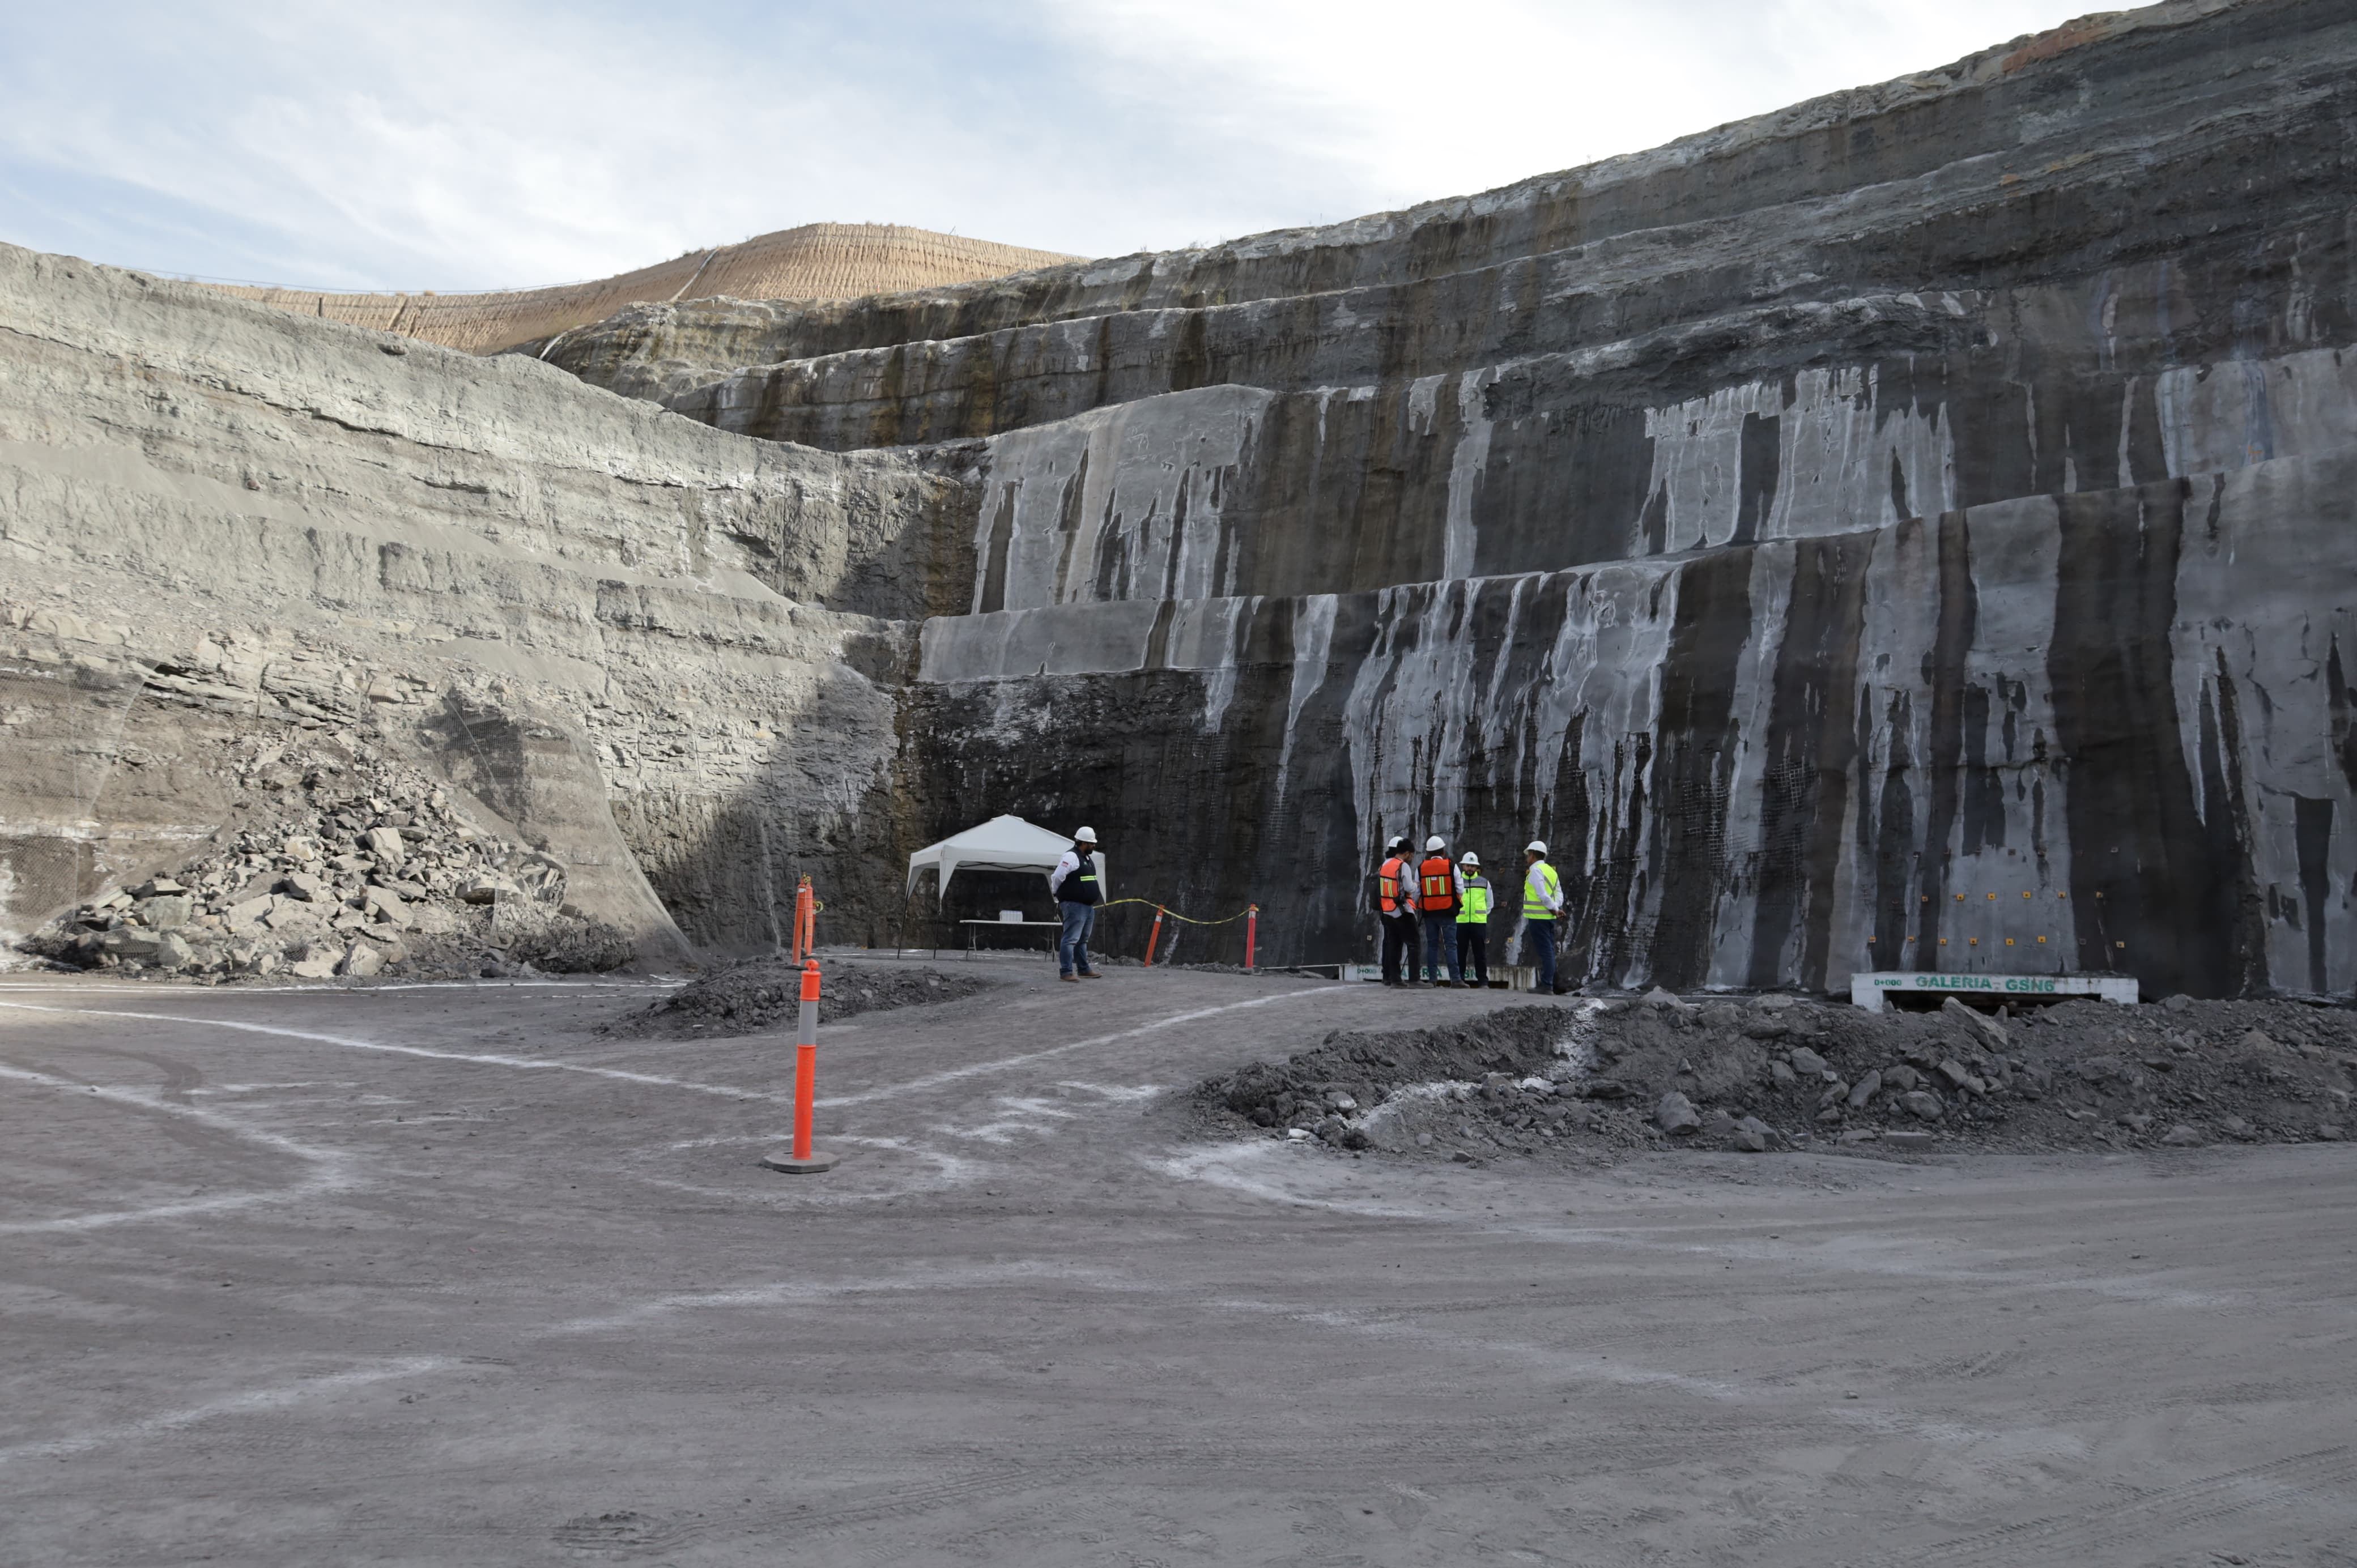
<point x="1072" y="944"/>
<point x="1440" y="947"/>
<point x="1541" y="934"/>
<point x="1399" y="946"/>
<point x="1473" y="951"/>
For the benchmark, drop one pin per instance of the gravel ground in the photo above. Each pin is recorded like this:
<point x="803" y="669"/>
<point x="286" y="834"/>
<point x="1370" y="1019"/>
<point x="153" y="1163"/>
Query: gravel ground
<point x="1597" y="1079"/>
<point x="765" y="994"/>
<point x="389" y="1275"/>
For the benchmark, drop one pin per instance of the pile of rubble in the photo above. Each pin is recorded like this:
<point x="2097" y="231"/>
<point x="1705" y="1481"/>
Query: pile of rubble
<point x="1505" y="1080"/>
<point x="347" y="863"/>
<point x="765" y="994"/>
<point x="1777" y="1072"/>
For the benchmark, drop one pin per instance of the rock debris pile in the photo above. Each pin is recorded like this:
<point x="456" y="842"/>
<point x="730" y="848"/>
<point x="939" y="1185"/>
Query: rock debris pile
<point x="1503" y="1078"/>
<point x="1774" y="1073"/>
<point x="765" y="994"/>
<point x="347" y="863"/>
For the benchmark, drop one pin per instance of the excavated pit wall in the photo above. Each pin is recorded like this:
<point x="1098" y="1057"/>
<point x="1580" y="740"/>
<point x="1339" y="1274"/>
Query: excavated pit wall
<point x="648" y="647"/>
<point x="1811" y="528"/>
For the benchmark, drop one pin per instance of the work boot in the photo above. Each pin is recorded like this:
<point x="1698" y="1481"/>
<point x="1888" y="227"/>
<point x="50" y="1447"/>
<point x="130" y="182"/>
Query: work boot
<point x="1075" y="977"/>
<point x="1091" y="975"/>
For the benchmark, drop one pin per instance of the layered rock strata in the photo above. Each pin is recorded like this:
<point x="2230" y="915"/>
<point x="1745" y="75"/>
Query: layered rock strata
<point x="640" y="646"/>
<point x="1908" y="529"/>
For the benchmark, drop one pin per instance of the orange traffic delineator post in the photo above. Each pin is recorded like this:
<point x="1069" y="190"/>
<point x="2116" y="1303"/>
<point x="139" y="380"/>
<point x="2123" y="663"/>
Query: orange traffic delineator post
<point x="805" y="920"/>
<point x="803" y="1160"/>
<point x="1252" y="934"/>
<point x="1153" y="937"/>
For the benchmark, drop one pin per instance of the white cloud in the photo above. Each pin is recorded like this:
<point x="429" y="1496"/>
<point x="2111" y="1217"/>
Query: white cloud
<point x="1413" y="102"/>
<point x="441" y="145"/>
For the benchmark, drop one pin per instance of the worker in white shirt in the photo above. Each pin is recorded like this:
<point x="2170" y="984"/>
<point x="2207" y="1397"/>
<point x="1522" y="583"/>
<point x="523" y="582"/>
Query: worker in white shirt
<point x="1542" y="902"/>
<point x="1078" y="883"/>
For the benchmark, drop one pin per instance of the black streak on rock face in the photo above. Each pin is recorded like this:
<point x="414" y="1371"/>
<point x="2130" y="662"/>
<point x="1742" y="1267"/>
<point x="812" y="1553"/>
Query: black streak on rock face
<point x="1810" y="753"/>
<point x="1707" y="638"/>
<point x="2144" y="861"/>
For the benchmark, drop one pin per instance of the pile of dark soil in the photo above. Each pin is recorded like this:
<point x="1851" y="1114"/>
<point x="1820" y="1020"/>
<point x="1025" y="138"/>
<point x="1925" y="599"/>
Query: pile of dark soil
<point x="765" y="994"/>
<point x="1507" y="1078"/>
<point x="1773" y="1072"/>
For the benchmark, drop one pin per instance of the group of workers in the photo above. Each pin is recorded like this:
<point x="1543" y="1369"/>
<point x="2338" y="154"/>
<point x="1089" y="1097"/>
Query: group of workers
<point x="1438" y="907"/>
<point x="1442" y="909"/>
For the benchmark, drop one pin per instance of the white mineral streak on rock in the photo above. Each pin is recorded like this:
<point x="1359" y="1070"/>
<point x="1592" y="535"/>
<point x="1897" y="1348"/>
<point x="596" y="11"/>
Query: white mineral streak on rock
<point x="1836" y="445"/>
<point x="1745" y="766"/>
<point x="2215" y="417"/>
<point x="1118" y="503"/>
<point x="1465" y="470"/>
<point x="1313" y="638"/>
<point x="1208" y="634"/>
<point x="2270" y="679"/>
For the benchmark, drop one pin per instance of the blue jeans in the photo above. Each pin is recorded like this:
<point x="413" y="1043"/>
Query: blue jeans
<point x="1541" y="934"/>
<point x="1072" y="946"/>
<point x="1440" y="947"/>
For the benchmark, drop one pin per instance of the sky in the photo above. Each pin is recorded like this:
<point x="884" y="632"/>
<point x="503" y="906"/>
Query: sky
<point x="503" y="143"/>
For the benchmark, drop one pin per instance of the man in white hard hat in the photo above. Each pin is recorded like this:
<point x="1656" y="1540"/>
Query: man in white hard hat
<point x="1542" y="902"/>
<point x="1395" y="901"/>
<point x="1440" y="893"/>
<point x="1472" y="921"/>
<point x="1078" y="883"/>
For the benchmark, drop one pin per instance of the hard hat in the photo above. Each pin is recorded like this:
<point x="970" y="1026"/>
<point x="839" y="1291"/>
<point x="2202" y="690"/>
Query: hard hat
<point x="1470" y="858"/>
<point x="1434" y="843"/>
<point x="1536" y="846"/>
<point x="1086" y="835"/>
<point x="1394" y="843"/>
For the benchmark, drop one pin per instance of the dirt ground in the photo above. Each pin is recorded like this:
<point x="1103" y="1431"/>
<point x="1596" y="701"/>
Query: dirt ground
<point x="443" y="1276"/>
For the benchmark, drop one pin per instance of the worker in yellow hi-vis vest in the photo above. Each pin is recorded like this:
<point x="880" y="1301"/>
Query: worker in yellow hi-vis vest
<point x="1473" y="920"/>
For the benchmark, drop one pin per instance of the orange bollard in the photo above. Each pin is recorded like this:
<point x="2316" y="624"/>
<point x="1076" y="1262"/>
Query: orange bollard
<point x="808" y="902"/>
<point x="803" y="1160"/>
<point x="1252" y="934"/>
<point x="804" y="924"/>
<point x="1153" y="935"/>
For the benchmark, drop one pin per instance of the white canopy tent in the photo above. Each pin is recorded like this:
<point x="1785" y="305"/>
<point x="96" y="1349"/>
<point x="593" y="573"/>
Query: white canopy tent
<point x="1002" y="844"/>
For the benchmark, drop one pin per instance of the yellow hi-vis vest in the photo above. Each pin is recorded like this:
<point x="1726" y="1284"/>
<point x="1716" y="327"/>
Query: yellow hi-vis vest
<point x="1475" y="911"/>
<point x="1533" y="907"/>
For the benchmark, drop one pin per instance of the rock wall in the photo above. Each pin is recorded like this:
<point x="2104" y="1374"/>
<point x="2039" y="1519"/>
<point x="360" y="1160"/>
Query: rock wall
<point x="650" y="649"/>
<point x="1908" y="530"/>
<point x="1874" y="534"/>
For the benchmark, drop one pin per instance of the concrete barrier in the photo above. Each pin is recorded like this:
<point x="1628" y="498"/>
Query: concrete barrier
<point x="1867" y="990"/>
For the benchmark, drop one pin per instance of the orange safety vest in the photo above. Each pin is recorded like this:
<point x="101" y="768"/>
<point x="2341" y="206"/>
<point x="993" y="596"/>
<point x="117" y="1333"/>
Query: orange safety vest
<point x="1439" y="884"/>
<point x="1387" y="882"/>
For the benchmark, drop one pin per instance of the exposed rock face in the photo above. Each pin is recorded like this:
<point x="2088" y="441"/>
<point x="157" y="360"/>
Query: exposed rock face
<point x="1868" y="536"/>
<point x="640" y="646"/>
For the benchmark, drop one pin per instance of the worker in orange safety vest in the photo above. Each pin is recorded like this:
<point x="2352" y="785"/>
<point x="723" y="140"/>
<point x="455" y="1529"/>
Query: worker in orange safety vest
<point x="1395" y="896"/>
<point x="1440" y="890"/>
